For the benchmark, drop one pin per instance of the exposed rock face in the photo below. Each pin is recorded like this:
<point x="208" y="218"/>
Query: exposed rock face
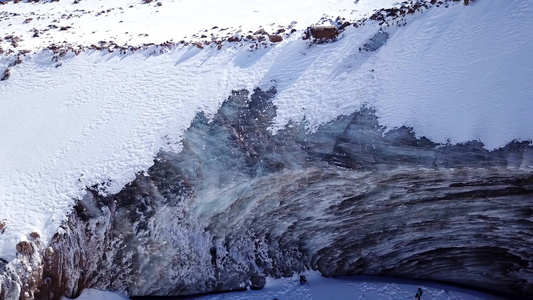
<point x="24" y="275"/>
<point x="238" y="204"/>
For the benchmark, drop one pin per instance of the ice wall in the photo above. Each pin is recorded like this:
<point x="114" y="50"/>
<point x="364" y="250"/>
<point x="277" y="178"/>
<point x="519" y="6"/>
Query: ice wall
<point x="238" y="204"/>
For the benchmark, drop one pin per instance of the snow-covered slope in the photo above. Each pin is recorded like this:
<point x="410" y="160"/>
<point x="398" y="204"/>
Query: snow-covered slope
<point x="93" y="118"/>
<point x="98" y="118"/>
<point x="135" y="22"/>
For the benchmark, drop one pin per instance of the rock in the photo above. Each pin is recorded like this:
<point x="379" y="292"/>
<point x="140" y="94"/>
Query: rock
<point x="25" y="247"/>
<point x="7" y="73"/>
<point x="260" y="31"/>
<point x="34" y="235"/>
<point x="3" y="226"/>
<point x="234" y="39"/>
<point x="324" y="32"/>
<point x="344" y="25"/>
<point x="275" y="38"/>
<point x="50" y="252"/>
<point x="257" y="282"/>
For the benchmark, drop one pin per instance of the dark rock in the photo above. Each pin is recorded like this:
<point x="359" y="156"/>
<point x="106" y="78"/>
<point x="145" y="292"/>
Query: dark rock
<point x="25" y="247"/>
<point x="7" y="73"/>
<point x="260" y="31"/>
<point x="257" y="282"/>
<point x="344" y="25"/>
<point x="324" y="32"/>
<point x="275" y="38"/>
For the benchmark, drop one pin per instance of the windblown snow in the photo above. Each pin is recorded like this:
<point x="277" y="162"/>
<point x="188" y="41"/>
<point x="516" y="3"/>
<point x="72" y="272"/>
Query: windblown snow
<point x="456" y="72"/>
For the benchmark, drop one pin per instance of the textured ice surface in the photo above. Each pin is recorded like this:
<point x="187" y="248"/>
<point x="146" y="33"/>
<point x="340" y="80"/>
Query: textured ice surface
<point x="238" y="204"/>
<point x="98" y="118"/>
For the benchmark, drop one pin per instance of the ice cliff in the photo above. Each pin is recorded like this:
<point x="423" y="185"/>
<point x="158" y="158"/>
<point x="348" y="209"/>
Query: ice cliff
<point x="400" y="147"/>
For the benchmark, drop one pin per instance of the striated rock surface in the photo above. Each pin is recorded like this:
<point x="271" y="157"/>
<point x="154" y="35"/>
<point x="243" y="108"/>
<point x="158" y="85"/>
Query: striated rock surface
<point x="238" y="204"/>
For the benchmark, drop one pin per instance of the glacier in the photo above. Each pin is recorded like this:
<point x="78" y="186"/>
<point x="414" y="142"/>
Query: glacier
<point x="239" y="204"/>
<point x="397" y="149"/>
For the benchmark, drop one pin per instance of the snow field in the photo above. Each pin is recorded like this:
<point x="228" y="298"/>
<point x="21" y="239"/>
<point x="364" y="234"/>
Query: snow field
<point x="134" y="23"/>
<point x="343" y="288"/>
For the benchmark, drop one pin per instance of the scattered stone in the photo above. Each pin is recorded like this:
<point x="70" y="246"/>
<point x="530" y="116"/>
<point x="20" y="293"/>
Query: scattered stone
<point x="50" y="252"/>
<point x="148" y="1"/>
<point x="28" y="20"/>
<point x="324" y="32"/>
<point x="159" y="4"/>
<point x="7" y="73"/>
<point x="344" y="25"/>
<point x="234" y="39"/>
<point x="18" y="61"/>
<point x="3" y="226"/>
<point x="275" y="38"/>
<point x="25" y="247"/>
<point x="34" y="235"/>
<point x="260" y="31"/>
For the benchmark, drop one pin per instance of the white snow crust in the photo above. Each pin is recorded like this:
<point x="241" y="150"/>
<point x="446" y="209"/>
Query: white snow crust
<point x="134" y="22"/>
<point x="94" y="294"/>
<point x="461" y="72"/>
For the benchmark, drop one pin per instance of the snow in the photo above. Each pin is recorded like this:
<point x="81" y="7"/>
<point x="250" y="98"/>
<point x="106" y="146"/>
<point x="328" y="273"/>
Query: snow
<point x="97" y="118"/>
<point x="342" y="288"/>
<point x="352" y="287"/>
<point x="461" y="72"/>
<point x="134" y="23"/>
<point x="94" y="294"/>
